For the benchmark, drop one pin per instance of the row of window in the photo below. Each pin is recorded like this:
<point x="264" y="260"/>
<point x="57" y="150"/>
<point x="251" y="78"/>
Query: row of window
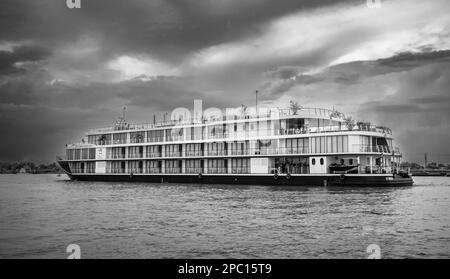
<point x="325" y="144"/>
<point x="82" y="167"/>
<point x="176" y="166"/>
<point x="329" y="144"/>
<point x="80" y="154"/>
<point x="262" y="128"/>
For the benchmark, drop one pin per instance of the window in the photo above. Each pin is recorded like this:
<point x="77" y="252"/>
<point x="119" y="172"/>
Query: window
<point x="313" y="145"/>
<point x="120" y="138"/>
<point x="155" y="136"/>
<point x="313" y="161"/>
<point x="321" y="161"/>
<point x="137" y="137"/>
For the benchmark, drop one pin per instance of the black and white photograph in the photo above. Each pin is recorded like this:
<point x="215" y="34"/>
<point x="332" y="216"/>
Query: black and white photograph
<point x="224" y="129"/>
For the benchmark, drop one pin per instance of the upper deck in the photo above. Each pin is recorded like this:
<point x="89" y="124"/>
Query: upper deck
<point x="332" y="121"/>
<point x="266" y="125"/>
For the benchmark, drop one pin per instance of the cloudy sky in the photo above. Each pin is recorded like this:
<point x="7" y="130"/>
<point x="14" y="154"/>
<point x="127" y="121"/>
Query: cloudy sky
<point x="63" y="70"/>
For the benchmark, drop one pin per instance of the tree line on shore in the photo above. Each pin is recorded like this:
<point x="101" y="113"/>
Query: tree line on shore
<point x="432" y="166"/>
<point x="28" y="167"/>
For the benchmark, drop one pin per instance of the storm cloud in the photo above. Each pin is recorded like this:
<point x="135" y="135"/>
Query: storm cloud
<point x="63" y="71"/>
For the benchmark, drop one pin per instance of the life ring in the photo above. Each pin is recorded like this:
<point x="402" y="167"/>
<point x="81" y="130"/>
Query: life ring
<point x="275" y="176"/>
<point x="342" y="176"/>
<point x="288" y="176"/>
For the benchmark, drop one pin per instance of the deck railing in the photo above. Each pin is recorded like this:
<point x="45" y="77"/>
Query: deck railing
<point x="246" y="134"/>
<point x="262" y="113"/>
<point x="135" y="155"/>
<point x="372" y="148"/>
<point x="263" y="151"/>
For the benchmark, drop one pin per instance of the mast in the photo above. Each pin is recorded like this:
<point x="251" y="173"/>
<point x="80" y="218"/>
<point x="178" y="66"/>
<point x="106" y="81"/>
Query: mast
<point x="256" y="93"/>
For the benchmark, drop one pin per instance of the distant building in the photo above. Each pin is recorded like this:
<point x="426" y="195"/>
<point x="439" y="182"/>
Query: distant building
<point x="25" y="169"/>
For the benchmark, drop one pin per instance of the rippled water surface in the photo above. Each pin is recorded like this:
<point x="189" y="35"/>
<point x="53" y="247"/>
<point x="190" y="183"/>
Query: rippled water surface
<point x="41" y="214"/>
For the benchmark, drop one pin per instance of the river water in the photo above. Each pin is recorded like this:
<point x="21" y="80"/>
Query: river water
<point x="40" y="215"/>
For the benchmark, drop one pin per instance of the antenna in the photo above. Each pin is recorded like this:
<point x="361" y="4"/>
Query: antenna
<point x="256" y="93"/>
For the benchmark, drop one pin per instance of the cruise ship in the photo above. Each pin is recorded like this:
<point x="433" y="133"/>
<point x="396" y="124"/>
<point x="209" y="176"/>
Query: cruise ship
<point x="295" y="146"/>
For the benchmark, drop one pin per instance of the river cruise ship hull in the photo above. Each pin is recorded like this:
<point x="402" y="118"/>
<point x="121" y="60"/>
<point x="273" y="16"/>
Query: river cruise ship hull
<point x="292" y="147"/>
<point x="263" y="180"/>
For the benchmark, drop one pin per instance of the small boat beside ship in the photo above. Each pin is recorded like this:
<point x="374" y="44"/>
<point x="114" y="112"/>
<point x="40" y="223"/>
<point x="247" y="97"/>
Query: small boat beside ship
<point x="295" y="146"/>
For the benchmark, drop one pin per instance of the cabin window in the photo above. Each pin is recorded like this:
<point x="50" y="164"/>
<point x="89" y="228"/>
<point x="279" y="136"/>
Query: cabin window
<point x="313" y="161"/>
<point x="321" y="161"/>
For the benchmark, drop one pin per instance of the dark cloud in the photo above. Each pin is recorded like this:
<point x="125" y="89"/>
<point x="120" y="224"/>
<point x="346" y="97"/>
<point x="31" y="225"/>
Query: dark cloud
<point x="386" y="107"/>
<point x="39" y="88"/>
<point x="434" y="99"/>
<point x="285" y="78"/>
<point x="285" y="72"/>
<point x="154" y="93"/>
<point x="419" y="110"/>
<point x="58" y="81"/>
<point x="39" y="133"/>
<point x="26" y="53"/>
<point x="168" y="29"/>
<point x="409" y="60"/>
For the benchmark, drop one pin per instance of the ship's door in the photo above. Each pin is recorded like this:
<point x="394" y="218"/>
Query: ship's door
<point x="82" y="167"/>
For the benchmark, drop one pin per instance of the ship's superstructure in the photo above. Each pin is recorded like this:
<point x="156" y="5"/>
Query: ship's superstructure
<point x="296" y="146"/>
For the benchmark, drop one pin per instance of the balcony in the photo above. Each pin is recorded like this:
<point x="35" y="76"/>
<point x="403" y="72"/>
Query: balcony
<point x="172" y="170"/>
<point x="119" y="141"/>
<point x="221" y="152"/>
<point x="115" y="170"/>
<point x="173" y="154"/>
<point x="361" y="148"/>
<point x="135" y="155"/>
<point x="194" y="153"/>
<point x="217" y="170"/>
<point x="115" y="156"/>
<point x="240" y="170"/>
<point x="152" y="170"/>
<point x="154" y="155"/>
<point x="193" y="170"/>
<point x="137" y="140"/>
<point x="155" y="139"/>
